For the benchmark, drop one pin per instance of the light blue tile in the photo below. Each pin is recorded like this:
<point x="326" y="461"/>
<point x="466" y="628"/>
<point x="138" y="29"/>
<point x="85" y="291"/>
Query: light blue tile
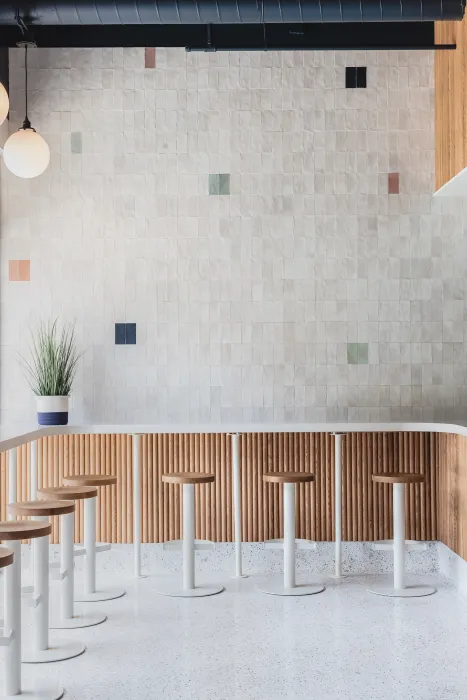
<point x="76" y="142"/>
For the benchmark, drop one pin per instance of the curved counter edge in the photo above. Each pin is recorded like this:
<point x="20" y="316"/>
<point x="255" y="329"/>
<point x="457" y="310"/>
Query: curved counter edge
<point x="10" y="438"/>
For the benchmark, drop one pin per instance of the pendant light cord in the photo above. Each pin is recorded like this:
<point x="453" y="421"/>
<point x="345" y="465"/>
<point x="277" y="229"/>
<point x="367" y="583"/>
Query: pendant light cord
<point x="26" y="80"/>
<point x="26" y="123"/>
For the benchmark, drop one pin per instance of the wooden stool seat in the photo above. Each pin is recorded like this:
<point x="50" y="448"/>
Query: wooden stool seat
<point x="398" y="478"/>
<point x="67" y="493"/>
<point x="42" y="508"/>
<point x="90" y="480"/>
<point x="6" y="557"/>
<point x="23" y="529"/>
<point x="288" y="477"/>
<point x="188" y="478"/>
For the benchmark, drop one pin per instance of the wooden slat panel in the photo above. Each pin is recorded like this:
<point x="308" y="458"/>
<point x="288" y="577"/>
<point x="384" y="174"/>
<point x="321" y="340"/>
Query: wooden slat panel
<point x="367" y="507"/>
<point x="450" y="101"/>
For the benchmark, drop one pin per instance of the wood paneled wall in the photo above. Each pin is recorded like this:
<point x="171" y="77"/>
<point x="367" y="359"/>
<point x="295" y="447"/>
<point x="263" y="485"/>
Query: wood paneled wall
<point x="452" y="492"/>
<point x="450" y="101"/>
<point x="367" y="507"/>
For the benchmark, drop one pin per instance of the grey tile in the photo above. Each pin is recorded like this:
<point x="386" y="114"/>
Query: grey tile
<point x="76" y="141"/>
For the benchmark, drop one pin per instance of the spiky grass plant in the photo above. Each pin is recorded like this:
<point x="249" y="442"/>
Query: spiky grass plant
<point x="54" y="357"/>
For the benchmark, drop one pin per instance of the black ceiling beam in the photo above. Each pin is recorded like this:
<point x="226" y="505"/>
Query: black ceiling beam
<point x="387" y="36"/>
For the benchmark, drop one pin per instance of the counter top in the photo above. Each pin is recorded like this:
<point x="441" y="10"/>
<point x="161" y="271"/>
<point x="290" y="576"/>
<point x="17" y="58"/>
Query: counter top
<point x="16" y="436"/>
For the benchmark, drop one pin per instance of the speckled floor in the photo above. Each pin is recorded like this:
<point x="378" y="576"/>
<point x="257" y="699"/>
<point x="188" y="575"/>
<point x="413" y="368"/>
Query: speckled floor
<point x="344" y="644"/>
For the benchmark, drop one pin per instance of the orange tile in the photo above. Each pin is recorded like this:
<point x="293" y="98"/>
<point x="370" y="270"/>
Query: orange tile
<point x="393" y="183"/>
<point x="19" y="270"/>
<point x="149" y="57"/>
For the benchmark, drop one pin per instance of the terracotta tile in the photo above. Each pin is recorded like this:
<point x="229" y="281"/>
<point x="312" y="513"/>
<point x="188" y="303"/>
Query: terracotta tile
<point x="149" y="57"/>
<point x="13" y="270"/>
<point x="24" y="270"/>
<point x="393" y="183"/>
<point x="19" y="270"/>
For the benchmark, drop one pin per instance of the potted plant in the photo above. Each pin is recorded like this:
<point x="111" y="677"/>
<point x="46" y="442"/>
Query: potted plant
<point x="51" y="371"/>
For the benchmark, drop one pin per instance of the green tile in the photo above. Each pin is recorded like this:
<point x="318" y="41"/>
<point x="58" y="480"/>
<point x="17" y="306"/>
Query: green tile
<point x="214" y="184"/>
<point x="357" y="353"/>
<point x="224" y="184"/>
<point x="76" y="142"/>
<point x="352" y="353"/>
<point x="362" y="353"/>
<point x="219" y="184"/>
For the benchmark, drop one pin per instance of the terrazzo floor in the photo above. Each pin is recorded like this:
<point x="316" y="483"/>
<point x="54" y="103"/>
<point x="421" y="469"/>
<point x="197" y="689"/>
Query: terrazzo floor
<point x="343" y="644"/>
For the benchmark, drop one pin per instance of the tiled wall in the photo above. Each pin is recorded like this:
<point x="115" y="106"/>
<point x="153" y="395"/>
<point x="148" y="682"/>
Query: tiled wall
<point x="270" y="232"/>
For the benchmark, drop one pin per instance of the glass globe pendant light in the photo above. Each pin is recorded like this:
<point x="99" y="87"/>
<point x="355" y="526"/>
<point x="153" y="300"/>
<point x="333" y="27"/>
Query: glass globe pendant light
<point x="4" y="103"/>
<point x="26" y="153"/>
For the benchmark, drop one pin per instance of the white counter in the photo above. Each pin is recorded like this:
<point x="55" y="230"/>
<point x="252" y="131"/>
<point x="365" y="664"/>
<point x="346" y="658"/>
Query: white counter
<point x="16" y="436"/>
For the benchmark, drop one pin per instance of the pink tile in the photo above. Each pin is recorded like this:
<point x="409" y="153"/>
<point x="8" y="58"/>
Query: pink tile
<point x="19" y="270"/>
<point x="149" y="57"/>
<point x="393" y="183"/>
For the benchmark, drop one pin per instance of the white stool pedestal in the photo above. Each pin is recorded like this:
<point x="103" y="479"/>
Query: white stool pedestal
<point x="188" y="589"/>
<point x="14" y="685"/>
<point x="41" y="650"/>
<point x="288" y="585"/>
<point x="91" y="594"/>
<point x="399" y="588"/>
<point x="69" y="618"/>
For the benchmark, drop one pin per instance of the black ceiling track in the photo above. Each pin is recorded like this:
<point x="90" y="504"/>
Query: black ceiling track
<point x="128" y="12"/>
<point x="417" y="36"/>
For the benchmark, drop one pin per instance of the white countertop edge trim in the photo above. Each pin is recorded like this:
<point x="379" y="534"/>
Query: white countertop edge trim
<point x="22" y="438"/>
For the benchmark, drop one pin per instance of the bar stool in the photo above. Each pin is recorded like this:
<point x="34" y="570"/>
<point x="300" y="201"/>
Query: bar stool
<point x="91" y="595"/>
<point x="68" y="618"/>
<point x="288" y="586"/>
<point x="13" y="532"/>
<point x="399" y="589"/>
<point x="40" y="650"/>
<point x="86" y="494"/>
<point x="189" y="589"/>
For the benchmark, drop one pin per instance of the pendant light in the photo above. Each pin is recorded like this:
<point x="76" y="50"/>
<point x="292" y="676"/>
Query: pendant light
<point x="26" y="153"/>
<point x="4" y="104"/>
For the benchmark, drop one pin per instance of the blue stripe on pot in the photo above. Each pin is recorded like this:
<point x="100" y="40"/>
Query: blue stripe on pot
<point x="52" y="410"/>
<point x="53" y="418"/>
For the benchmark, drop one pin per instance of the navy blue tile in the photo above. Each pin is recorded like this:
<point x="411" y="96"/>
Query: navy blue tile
<point x="120" y="333"/>
<point x="130" y="333"/>
<point x="361" y="77"/>
<point x="355" y="77"/>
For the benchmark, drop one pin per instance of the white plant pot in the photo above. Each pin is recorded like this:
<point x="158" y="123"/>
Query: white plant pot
<point x="52" y="410"/>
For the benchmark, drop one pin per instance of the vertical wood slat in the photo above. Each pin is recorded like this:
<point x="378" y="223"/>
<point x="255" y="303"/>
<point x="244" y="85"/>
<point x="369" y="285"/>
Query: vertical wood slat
<point x="433" y="510"/>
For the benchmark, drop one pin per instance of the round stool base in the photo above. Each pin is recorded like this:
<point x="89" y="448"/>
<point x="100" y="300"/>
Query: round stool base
<point x="174" y="590"/>
<point x="239" y="576"/>
<point x="61" y="651"/>
<point x="37" y="690"/>
<point x="275" y="586"/>
<point x="98" y="596"/>
<point x="408" y="592"/>
<point x="79" y="620"/>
